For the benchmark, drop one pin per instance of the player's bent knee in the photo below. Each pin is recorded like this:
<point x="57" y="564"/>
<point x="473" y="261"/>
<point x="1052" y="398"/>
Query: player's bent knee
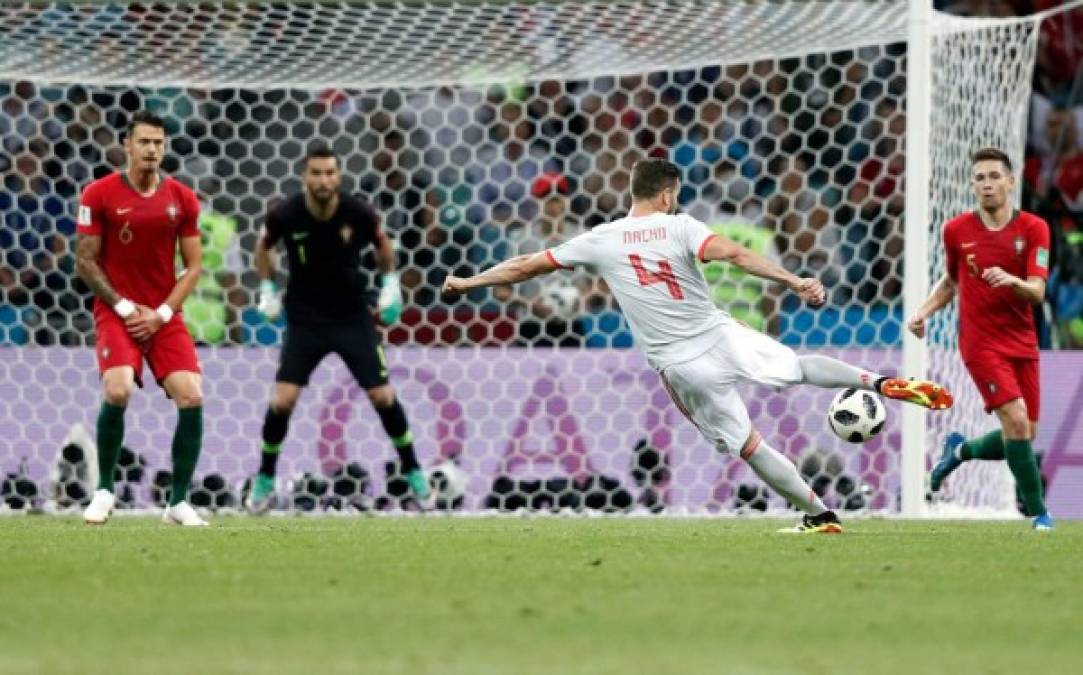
<point x="382" y="397"/>
<point x="283" y="407"/>
<point x="117" y="385"/>
<point x="1016" y="431"/>
<point x="189" y="399"/>
<point x="283" y="404"/>
<point x="117" y="393"/>
<point x="285" y="396"/>
<point x="1017" y="426"/>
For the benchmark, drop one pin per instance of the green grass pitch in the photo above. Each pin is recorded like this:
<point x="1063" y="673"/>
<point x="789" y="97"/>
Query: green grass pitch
<point x="547" y="595"/>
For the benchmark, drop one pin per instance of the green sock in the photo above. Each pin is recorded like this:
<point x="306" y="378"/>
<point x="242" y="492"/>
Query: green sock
<point x="110" y="438"/>
<point x="187" y="441"/>
<point x="989" y="446"/>
<point x="269" y="458"/>
<point x="1025" y="469"/>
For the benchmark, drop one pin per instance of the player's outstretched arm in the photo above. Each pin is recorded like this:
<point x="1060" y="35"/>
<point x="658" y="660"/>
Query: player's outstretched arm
<point x="511" y="271"/>
<point x="727" y="250"/>
<point x="941" y="296"/>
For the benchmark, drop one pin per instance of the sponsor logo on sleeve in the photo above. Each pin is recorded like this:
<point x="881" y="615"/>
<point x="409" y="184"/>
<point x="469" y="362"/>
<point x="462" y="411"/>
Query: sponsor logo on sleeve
<point x="84" y="216"/>
<point x="1042" y="258"/>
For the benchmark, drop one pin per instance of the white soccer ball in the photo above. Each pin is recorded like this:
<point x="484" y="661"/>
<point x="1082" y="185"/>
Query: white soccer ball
<point x="856" y="415"/>
<point x="448" y="482"/>
<point x="563" y="299"/>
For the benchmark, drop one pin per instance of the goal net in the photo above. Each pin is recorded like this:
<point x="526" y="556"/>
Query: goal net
<point x="482" y="130"/>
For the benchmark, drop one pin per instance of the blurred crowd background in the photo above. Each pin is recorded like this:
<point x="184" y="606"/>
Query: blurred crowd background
<point x="800" y="159"/>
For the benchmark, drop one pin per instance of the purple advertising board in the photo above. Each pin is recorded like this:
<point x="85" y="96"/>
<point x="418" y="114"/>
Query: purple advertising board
<point x="527" y="414"/>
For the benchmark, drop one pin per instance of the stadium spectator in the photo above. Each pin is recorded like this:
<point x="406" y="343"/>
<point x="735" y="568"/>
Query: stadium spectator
<point x="1060" y="53"/>
<point x="1059" y="164"/>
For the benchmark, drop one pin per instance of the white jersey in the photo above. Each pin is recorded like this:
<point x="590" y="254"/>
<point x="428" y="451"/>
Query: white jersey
<point x="649" y="263"/>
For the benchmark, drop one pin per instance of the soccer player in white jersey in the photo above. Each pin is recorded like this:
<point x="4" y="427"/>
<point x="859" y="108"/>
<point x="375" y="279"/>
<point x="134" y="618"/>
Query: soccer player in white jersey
<point x="648" y="258"/>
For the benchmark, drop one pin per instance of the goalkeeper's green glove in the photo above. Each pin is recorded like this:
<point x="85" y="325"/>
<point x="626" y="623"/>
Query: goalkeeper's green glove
<point x="270" y="302"/>
<point x="389" y="303"/>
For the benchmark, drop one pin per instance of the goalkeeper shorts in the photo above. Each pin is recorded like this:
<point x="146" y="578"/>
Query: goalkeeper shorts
<point x="356" y="343"/>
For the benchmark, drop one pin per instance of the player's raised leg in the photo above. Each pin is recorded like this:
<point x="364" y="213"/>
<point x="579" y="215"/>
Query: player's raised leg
<point x="824" y="371"/>
<point x="117" y="385"/>
<point x="186" y="390"/>
<point x="275" y="425"/>
<point x="704" y="390"/>
<point x="393" y="418"/>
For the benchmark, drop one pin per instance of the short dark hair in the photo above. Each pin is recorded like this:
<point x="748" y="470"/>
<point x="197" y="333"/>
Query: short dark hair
<point x="320" y="152"/>
<point x="144" y="117"/>
<point x="991" y="153"/>
<point x="652" y="175"/>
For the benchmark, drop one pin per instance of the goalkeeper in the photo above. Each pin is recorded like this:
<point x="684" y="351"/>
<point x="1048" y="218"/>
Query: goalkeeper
<point x="325" y="232"/>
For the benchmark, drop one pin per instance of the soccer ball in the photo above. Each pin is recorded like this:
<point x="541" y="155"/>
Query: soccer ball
<point x="856" y="415"/>
<point x="562" y="299"/>
<point x="449" y="482"/>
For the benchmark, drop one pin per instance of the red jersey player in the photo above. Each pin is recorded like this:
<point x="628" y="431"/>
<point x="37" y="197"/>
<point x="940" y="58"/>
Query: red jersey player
<point x="997" y="259"/>
<point x="129" y="225"/>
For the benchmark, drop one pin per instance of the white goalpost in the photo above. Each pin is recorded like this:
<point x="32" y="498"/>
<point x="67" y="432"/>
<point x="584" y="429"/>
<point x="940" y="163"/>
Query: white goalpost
<point x="833" y="135"/>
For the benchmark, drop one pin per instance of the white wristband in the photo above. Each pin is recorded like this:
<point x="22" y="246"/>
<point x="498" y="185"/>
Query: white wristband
<point x="165" y="312"/>
<point x="124" y="308"/>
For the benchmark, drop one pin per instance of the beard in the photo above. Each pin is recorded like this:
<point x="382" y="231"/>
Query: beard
<point x="321" y="196"/>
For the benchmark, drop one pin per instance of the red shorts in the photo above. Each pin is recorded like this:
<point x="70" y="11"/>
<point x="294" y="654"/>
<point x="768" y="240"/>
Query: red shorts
<point x="1001" y="379"/>
<point x="169" y="350"/>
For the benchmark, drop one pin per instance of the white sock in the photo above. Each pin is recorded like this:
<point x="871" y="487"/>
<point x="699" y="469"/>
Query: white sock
<point x="778" y="472"/>
<point x="823" y="371"/>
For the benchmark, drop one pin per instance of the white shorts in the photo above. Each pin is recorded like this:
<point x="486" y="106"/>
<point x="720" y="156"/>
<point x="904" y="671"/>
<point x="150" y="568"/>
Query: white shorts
<point x="705" y="388"/>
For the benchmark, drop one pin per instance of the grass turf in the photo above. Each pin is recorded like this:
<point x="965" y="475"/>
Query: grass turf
<point x="438" y="595"/>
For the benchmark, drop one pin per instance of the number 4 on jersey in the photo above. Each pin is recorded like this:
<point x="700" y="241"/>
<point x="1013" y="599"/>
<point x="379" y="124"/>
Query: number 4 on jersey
<point x="664" y="275"/>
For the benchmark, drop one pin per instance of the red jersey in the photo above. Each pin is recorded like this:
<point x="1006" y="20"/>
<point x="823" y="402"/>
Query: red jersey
<point x="995" y="319"/>
<point x="139" y="234"/>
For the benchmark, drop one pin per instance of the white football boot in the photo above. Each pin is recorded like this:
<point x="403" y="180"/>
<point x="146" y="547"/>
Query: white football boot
<point x="182" y="514"/>
<point x="100" y="508"/>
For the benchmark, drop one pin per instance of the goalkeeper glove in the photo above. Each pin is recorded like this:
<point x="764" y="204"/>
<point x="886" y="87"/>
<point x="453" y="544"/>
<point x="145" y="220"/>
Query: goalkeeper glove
<point x="270" y="302"/>
<point x="389" y="303"/>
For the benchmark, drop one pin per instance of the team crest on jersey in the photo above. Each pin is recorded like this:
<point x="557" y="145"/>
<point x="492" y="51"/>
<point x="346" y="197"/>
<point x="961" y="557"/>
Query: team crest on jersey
<point x="1020" y="243"/>
<point x="346" y="232"/>
<point x="171" y="211"/>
